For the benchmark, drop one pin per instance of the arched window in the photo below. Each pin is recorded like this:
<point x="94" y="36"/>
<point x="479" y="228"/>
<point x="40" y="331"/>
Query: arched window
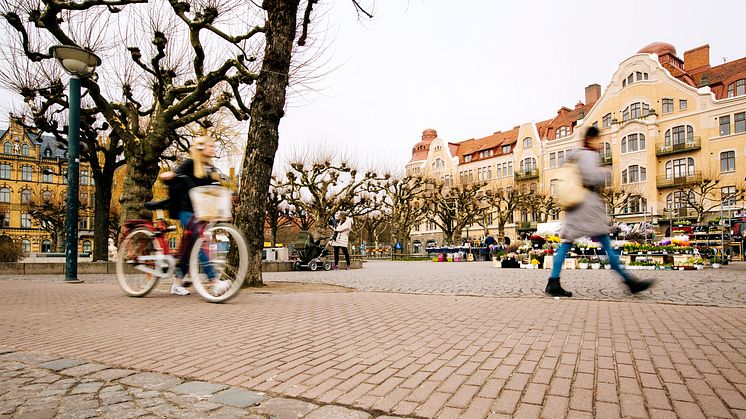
<point x="46" y="195"/>
<point x="25" y="150"/>
<point x="26" y="196"/>
<point x="636" y="205"/>
<point x="47" y="152"/>
<point x="25" y="246"/>
<point x="46" y="246"/>
<point x="737" y="88"/>
<point x="87" y="246"/>
<point x="606" y="151"/>
<point x="5" y="195"/>
<point x="527" y="142"/>
<point x="679" y="200"/>
<point x="681" y="134"/>
<point x="634" y="77"/>
<point x="634" y="174"/>
<point x="527" y="165"/>
<point x="636" y="110"/>
<point x="8" y="148"/>
<point x="679" y="168"/>
<point x="633" y="142"/>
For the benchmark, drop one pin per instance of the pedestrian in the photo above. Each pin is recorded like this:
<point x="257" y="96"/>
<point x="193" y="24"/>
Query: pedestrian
<point x="589" y="218"/>
<point x="342" y="230"/>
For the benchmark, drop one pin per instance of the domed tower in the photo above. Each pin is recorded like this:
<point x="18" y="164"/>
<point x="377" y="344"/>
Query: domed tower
<point x="666" y="55"/>
<point x="420" y="150"/>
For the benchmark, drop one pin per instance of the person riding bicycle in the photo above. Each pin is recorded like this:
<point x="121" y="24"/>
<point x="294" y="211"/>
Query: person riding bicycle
<point x="193" y="172"/>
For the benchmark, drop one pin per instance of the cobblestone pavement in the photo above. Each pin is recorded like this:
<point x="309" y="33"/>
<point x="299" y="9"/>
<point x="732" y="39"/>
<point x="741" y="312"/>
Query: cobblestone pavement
<point x="724" y="287"/>
<point x="407" y="354"/>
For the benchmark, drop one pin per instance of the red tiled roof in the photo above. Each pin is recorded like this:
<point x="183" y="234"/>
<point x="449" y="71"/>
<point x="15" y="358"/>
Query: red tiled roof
<point x="565" y="117"/>
<point x="495" y="140"/>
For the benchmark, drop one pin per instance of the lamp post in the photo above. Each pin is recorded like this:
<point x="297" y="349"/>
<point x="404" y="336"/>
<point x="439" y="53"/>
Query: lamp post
<point x="78" y="62"/>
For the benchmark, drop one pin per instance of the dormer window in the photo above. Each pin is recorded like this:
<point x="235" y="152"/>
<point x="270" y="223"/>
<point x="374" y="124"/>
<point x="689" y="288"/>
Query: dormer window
<point x="25" y="150"/>
<point x="47" y="152"/>
<point x="737" y="88"/>
<point x="562" y="131"/>
<point x="506" y="149"/>
<point x="467" y="159"/>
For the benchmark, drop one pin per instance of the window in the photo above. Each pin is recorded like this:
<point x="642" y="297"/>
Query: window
<point x="25" y="150"/>
<point x="25" y="220"/>
<point x="8" y="148"/>
<point x="26" y="173"/>
<point x="633" y="142"/>
<point x="667" y="105"/>
<point x="737" y="88"/>
<point x="636" y="110"/>
<point x="679" y="168"/>
<point x="83" y="223"/>
<point x="560" y="158"/>
<point x="87" y="246"/>
<point x="527" y="165"/>
<point x="727" y="161"/>
<point x="553" y="187"/>
<point x="506" y="149"/>
<point x="739" y="122"/>
<point x="489" y="172"/>
<point x="636" y="205"/>
<point x="681" y="134"/>
<point x="634" y="174"/>
<point x="728" y="196"/>
<point x="5" y="195"/>
<point x="467" y="159"/>
<point x="64" y="176"/>
<point x="725" y="125"/>
<point x="6" y="219"/>
<point x="500" y="170"/>
<point x="46" y="196"/>
<point x="4" y="171"/>
<point x="26" y="196"/>
<point x="606" y="123"/>
<point x="552" y="159"/>
<point x="25" y="246"/>
<point x="527" y="142"/>
<point x="606" y="149"/>
<point x="682" y="104"/>
<point x="47" y="152"/>
<point x="562" y="131"/>
<point x="679" y="200"/>
<point x="46" y="177"/>
<point x="85" y="179"/>
<point x="46" y="246"/>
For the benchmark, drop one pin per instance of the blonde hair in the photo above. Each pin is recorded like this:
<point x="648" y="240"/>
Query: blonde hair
<point x="195" y="152"/>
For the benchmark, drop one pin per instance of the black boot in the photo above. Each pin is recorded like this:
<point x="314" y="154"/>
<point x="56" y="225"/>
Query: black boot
<point x="636" y="285"/>
<point x="555" y="289"/>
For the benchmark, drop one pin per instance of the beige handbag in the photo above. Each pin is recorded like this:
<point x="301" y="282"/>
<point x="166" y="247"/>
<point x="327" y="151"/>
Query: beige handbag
<point x="569" y="189"/>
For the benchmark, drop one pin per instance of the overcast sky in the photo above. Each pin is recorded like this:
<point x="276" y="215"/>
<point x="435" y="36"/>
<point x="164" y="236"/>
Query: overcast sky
<point x="470" y="68"/>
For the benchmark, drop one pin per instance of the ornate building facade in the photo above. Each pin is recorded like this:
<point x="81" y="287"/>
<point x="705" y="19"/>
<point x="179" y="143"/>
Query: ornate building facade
<point x="667" y="124"/>
<point x="33" y="170"/>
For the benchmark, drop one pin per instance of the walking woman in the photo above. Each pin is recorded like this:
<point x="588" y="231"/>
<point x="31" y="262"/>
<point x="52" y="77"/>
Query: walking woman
<point x="342" y="231"/>
<point x="589" y="218"/>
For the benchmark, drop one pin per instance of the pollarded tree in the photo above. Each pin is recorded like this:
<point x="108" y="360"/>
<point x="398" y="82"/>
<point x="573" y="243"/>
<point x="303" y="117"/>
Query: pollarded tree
<point x="618" y="198"/>
<point x="705" y="194"/>
<point x="278" y="211"/>
<point x="452" y="208"/>
<point x="404" y="204"/>
<point x="503" y="202"/>
<point x="539" y="205"/>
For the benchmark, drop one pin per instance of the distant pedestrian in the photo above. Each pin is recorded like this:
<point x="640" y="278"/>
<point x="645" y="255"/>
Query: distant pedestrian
<point x="342" y="231"/>
<point x="589" y="218"/>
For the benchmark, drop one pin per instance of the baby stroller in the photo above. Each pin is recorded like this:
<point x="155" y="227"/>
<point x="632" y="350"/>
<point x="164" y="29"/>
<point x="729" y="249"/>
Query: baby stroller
<point x="311" y="254"/>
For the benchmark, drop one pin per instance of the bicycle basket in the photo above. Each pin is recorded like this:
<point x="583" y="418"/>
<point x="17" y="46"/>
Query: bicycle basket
<point x="211" y="203"/>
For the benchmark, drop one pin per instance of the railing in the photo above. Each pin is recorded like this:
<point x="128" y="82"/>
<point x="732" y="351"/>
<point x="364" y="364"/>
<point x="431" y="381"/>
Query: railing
<point x="678" y="181"/>
<point x="605" y="160"/>
<point x="525" y="175"/>
<point x="692" y="143"/>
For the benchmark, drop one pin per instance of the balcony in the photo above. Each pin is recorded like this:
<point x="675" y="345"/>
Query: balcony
<point x="526" y="175"/>
<point x="526" y="226"/>
<point x="677" y="214"/>
<point x="605" y="160"/>
<point x="691" y="144"/>
<point x="678" y="181"/>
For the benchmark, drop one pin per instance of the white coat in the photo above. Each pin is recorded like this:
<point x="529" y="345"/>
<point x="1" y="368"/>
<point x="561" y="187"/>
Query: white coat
<point x="343" y="233"/>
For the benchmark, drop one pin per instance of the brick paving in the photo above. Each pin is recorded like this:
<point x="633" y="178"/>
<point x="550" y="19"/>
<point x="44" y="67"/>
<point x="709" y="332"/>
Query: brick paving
<point x="426" y="353"/>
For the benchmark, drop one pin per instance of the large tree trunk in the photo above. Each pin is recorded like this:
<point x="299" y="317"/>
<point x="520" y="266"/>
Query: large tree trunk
<point x="267" y="108"/>
<point x="102" y="199"/>
<point x="142" y="172"/>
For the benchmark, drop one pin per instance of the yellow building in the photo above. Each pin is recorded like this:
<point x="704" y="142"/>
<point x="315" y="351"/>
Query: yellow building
<point x="667" y="124"/>
<point x="32" y="169"/>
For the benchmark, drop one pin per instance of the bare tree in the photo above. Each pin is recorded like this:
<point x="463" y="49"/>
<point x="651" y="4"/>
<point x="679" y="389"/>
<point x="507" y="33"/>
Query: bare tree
<point x="504" y="202"/>
<point x="50" y="214"/>
<point x="404" y="204"/>
<point x="452" y="208"/>
<point x="705" y="194"/>
<point x="539" y="205"/>
<point x="278" y="211"/>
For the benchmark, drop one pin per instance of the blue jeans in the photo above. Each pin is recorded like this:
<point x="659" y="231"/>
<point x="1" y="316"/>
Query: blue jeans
<point x="605" y="240"/>
<point x="185" y="218"/>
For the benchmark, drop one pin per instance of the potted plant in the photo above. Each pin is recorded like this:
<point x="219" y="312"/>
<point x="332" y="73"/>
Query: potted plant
<point x="605" y="264"/>
<point x="534" y="263"/>
<point x="583" y="263"/>
<point x="698" y="263"/>
<point x="595" y="263"/>
<point x="716" y="262"/>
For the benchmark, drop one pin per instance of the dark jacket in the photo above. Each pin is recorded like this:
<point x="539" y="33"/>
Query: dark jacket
<point x="179" y="186"/>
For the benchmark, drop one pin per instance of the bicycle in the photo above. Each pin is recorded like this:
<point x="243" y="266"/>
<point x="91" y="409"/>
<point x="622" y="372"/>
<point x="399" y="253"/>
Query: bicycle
<point x="145" y="256"/>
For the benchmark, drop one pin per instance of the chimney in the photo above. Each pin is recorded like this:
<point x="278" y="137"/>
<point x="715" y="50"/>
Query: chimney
<point x="697" y="58"/>
<point x="592" y="93"/>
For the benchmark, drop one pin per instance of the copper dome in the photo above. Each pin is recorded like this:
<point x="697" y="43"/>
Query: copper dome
<point x="660" y="48"/>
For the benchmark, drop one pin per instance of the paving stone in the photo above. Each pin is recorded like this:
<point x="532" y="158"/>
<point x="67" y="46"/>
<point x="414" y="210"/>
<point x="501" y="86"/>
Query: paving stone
<point x="198" y="388"/>
<point x="238" y="397"/>
<point x="151" y="381"/>
<point x="84" y="369"/>
<point x="205" y="406"/>
<point x="145" y="394"/>
<point x="87" y="388"/>
<point x="79" y="414"/>
<point x="114" y="397"/>
<point x="123" y="410"/>
<point x="61" y="364"/>
<point x="150" y="402"/>
<point x="111" y="374"/>
<point x="37" y="414"/>
<point x="284" y="408"/>
<point x="336" y="412"/>
<point x="28" y="357"/>
<point x="229" y="412"/>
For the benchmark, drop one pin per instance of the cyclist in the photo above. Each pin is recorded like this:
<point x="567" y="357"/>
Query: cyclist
<point x="193" y="172"/>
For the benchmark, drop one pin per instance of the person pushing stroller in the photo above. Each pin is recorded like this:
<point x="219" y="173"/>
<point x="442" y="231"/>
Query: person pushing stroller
<point x="340" y="238"/>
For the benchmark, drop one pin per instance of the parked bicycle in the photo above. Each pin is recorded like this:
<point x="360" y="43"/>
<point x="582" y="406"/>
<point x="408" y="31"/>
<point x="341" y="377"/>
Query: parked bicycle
<point x="145" y="256"/>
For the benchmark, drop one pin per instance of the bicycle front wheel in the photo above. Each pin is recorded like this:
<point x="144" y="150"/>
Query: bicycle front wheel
<point x="135" y="263"/>
<point x="219" y="262"/>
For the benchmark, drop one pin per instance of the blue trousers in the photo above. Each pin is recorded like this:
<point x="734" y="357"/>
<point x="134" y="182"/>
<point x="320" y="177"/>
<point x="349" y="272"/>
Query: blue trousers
<point x="605" y="240"/>
<point x="185" y="218"/>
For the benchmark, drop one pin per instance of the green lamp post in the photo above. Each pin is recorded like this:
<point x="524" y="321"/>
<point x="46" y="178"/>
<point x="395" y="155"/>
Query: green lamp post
<point x="78" y="62"/>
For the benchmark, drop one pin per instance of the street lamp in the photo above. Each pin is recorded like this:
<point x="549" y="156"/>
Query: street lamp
<point x="78" y="62"/>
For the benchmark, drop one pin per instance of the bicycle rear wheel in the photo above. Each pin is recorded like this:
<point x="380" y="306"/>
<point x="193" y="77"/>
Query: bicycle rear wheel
<point x="134" y="271"/>
<point x="222" y="243"/>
